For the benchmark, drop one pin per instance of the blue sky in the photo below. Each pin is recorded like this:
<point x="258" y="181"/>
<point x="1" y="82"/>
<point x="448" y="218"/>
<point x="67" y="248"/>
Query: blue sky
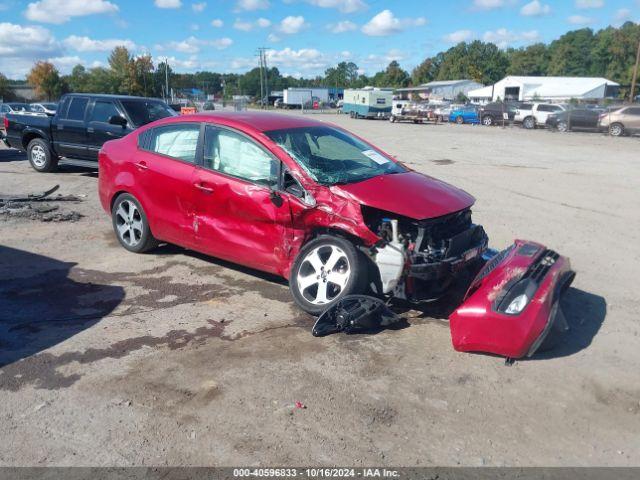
<point x="305" y="36"/>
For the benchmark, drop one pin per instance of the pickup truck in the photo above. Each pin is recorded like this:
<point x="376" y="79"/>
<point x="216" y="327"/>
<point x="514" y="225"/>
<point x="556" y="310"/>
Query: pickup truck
<point x="81" y="125"/>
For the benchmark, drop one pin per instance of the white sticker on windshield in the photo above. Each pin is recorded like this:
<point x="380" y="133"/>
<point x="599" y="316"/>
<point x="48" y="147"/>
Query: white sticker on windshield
<point x="376" y="157"/>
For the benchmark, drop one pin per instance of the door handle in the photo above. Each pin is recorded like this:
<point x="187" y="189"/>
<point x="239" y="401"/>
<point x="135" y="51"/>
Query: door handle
<point x="142" y="165"/>
<point x="203" y="188"/>
<point x="90" y="130"/>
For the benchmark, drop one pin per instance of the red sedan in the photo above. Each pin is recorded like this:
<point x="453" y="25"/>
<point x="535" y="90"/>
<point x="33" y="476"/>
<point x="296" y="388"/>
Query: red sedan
<point x="296" y="197"/>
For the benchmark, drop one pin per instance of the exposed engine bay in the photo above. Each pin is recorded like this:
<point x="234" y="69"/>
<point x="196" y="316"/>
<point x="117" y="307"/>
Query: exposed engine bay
<point x="418" y="260"/>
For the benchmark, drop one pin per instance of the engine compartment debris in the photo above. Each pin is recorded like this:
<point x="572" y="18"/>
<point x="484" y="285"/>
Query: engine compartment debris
<point x="36" y="206"/>
<point x="355" y="314"/>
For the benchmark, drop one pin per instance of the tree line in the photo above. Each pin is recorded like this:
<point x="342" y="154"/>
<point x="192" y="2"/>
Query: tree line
<point x="609" y="53"/>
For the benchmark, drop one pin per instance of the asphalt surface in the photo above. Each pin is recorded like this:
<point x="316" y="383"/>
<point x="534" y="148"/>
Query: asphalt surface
<point x="174" y="358"/>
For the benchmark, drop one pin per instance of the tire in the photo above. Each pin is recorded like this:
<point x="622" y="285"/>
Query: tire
<point x="131" y="227"/>
<point x="352" y="114"/>
<point x="616" y="130"/>
<point x="392" y="119"/>
<point x="562" y="127"/>
<point x="459" y="120"/>
<point x="41" y="157"/>
<point x="487" y="120"/>
<point x="316" y="288"/>
<point x="529" y="123"/>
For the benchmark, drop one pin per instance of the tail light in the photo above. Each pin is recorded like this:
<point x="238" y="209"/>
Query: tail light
<point x="6" y="123"/>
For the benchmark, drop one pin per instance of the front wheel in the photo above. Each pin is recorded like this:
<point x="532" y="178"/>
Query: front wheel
<point x="616" y="130"/>
<point x="563" y="127"/>
<point x="131" y="225"/>
<point x="529" y="123"/>
<point x="326" y="269"/>
<point x="487" y="120"/>
<point x="40" y="156"/>
<point x="459" y="120"/>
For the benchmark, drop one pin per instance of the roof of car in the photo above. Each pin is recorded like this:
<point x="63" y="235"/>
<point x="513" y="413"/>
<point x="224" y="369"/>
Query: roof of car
<point x="112" y="96"/>
<point x="260" y="121"/>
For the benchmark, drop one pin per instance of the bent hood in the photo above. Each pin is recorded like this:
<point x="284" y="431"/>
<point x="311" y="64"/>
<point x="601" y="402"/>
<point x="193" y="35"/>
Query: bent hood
<point x="410" y="194"/>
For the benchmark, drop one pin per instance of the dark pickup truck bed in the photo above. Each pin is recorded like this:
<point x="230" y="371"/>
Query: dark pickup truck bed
<point x="81" y="125"/>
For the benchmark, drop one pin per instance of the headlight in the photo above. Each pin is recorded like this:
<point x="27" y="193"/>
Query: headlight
<point x="517" y="304"/>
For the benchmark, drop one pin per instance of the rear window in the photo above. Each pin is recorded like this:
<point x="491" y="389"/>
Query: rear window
<point x="142" y="112"/>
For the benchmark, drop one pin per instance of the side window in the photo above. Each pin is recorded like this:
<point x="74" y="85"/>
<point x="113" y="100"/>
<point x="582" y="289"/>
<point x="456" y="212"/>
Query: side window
<point x="178" y="141"/>
<point x="102" y="111"/>
<point x="236" y="155"/>
<point x="555" y="108"/>
<point x="76" y="108"/>
<point x="633" y="111"/>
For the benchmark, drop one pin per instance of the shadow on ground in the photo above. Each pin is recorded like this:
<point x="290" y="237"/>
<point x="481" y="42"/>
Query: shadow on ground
<point x="41" y="306"/>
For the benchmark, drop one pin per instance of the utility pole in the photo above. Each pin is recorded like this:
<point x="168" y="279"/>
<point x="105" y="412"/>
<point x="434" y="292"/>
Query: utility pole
<point x="166" y="76"/>
<point x="635" y="75"/>
<point x="266" y="74"/>
<point x="261" y="81"/>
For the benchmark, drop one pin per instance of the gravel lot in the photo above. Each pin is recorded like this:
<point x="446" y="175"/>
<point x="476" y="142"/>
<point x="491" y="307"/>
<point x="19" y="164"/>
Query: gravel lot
<point x="112" y="358"/>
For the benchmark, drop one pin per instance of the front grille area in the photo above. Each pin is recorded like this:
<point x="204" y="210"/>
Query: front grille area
<point x="491" y="265"/>
<point x="542" y="265"/>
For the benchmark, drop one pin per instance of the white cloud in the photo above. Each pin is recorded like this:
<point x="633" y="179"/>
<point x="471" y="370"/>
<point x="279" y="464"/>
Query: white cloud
<point x="247" y="26"/>
<point x="273" y="38"/>
<point x="198" y="7"/>
<point x="341" y="27"/>
<point x="189" y="64"/>
<point x="305" y="58"/>
<point x="29" y="41"/>
<point x="535" y="9"/>
<point x="385" y="23"/>
<point x="503" y="38"/>
<point x="61" y="11"/>
<point x="622" y="15"/>
<point x="263" y="23"/>
<point x="580" y="20"/>
<point x="250" y="5"/>
<point x="194" y="45"/>
<point x="344" y="6"/>
<point x="217" y="23"/>
<point x="86" y="44"/>
<point x="488" y="4"/>
<point x="458" y="36"/>
<point x="66" y="63"/>
<point x="291" y="25"/>
<point x="585" y="4"/>
<point x="168" y="3"/>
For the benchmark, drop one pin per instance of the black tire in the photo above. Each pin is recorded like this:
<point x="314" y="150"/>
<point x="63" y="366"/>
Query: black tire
<point x="41" y="157"/>
<point x="459" y="120"/>
<point x="352" y="114"/>
<point x="529" y="123"/>
<point x="562" y="127"/>
<point x="140" y="240"/>
<point x="357" y="280"/>
<point x="392" y="119"/>
<point x="487" y="120"/>
<point x="616" y="130"/>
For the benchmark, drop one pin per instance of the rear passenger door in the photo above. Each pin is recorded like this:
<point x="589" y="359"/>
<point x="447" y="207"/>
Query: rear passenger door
<point x="632" y="122"/>
<point x="70" y="130"/>
<point x="99" y="130"/>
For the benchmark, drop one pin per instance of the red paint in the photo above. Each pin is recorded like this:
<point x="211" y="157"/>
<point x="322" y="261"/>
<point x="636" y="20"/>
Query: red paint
<point x="236" y="220"/>
<point x="476" y="327"/>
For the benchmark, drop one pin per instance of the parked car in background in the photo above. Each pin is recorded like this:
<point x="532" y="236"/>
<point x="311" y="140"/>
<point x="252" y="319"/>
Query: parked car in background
<point x="12" y="107"/>
<point x="81" y="125"/>
<point x="532" y="115"/>
<point x="575" y="119"/>
<point x="623" y="121"/>
<point x="48" y="108"/>
<point x="466" y="114"/>
<point x="208" y="106"/>
<point x="495" y="113"/>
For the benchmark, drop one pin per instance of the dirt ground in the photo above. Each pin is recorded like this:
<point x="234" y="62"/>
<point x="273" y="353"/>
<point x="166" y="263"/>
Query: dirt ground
<point x="173" y="358"/>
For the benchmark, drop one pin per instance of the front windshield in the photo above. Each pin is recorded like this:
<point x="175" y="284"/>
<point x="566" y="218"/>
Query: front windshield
<point x="331" y="156"/>
<point x="142" y="112"/>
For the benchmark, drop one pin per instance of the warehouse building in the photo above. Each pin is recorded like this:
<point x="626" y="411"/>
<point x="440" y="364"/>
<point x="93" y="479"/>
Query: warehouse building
<point x="440" y="90"/>
<point x="552" y="89"/>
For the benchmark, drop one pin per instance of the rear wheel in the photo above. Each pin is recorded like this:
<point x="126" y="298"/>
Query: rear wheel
<point x="131" y="225"/>
<point x="41" y="157"/>
<point x="487" y="120"/>
<point x="326" y="269"/>
<point x="392" y="119"/>
<point x="459" y="120"/>
<point x="616" y="130"/>
<point x="563" y="127"/>
<point x="529" y="123"/>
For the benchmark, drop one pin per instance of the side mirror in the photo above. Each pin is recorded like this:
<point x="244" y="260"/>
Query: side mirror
<point x="118" y="120"/>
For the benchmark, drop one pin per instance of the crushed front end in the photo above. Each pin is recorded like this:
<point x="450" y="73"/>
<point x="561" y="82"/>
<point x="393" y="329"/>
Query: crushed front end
<point x="513" y="305"/>
<point x="420" y="260"/>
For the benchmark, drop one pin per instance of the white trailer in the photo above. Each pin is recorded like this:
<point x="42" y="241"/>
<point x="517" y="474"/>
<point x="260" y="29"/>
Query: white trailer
<point x="296" y="97"/>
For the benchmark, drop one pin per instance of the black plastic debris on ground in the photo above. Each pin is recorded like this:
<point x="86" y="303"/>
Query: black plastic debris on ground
<point x="37" y="206"/>
<point x="356" y="314"/>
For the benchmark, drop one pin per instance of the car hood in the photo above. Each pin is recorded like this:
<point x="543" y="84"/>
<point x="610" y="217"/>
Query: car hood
<point x="409" y="194"/>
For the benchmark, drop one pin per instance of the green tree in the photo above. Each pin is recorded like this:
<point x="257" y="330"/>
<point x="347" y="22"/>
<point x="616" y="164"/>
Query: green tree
<point x="570" y="55"/>
<point x="425" y="72"/>
<point x="532" y="60"/>
<point x="4" y="87"/>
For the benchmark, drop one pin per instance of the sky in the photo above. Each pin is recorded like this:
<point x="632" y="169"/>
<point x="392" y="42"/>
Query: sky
<point x="304" y="37"/>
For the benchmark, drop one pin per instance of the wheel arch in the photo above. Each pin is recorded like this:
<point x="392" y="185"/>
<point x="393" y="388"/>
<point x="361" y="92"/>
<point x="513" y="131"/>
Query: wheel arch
<point x="30" y="135"/>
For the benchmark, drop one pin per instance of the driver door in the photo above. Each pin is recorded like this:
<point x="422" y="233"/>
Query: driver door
<point x="239" y="215"/>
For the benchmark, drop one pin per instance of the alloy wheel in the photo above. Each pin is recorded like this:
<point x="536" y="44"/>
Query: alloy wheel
<point x="38" y="156"/>
<point x="323" y="274"/>
<point x="129" y="223"/>
<point x="563" y="127"/>
<point x="615" y="130"/>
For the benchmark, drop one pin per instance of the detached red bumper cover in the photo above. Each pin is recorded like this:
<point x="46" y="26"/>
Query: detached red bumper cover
<point x="513" y="303"/>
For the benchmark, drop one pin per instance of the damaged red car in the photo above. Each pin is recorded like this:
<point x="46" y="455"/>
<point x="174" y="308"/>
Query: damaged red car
<point x="331" y="213"/>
